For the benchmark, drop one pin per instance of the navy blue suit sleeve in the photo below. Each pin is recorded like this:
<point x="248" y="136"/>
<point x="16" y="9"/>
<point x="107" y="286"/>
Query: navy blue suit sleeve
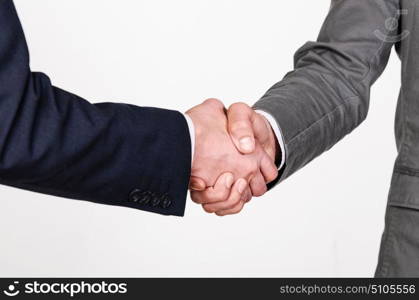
<point x="54" y="142"/>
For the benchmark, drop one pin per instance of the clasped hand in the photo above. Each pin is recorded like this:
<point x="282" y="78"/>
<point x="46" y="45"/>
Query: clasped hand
<point x="234" y="156"/>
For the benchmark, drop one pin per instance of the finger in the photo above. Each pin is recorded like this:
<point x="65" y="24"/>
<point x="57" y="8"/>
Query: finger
<point x="197" y="184"/>
<point x="264" y="134"/>
<point x="261" y="128"/>
<point x="235" y="210"/>
<point x="247" y="195"/>
<point x="215" y="103"/>
<point x="268" y="169"/>
<point x="234" y="197"/>
<point x="219" y="192"/>
<point x="258" y="185"/>
<point x="240" y="127"/>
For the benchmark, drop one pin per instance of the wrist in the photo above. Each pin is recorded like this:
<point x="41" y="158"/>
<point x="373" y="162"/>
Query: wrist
<point x="272" y="146"/>
<point x="191" y="127"/>
<point x="279" y="148"/>
<point x="197" y="132"/>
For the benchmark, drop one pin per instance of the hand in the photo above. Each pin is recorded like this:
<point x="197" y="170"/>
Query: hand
<point x="245" y="126"/>
<point x="247" y="129"/>
<point x="215" y="154"/>
<point x="224" y="199"/>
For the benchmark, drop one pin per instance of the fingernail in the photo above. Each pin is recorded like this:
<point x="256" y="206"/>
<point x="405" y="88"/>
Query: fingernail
<point x="229" y="181"/>
<point x="246" y="144"/>
<point x="242" y="185"/>
<point x="195" y="186"/>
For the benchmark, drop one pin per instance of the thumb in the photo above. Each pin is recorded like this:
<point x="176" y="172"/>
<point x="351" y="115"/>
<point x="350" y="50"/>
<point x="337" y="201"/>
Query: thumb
<point x="197" y="184"/>
<point x="240" y="127"/>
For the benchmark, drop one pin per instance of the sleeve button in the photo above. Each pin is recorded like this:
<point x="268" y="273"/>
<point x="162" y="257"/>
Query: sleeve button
<point x="155" y="201"/>
<point x="166" y="202"/>
<point x="135" y="195"/>
<point x="146" y="198"/>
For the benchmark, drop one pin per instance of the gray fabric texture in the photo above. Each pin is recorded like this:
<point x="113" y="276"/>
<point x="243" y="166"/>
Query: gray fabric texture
<point x="327" y="95"/>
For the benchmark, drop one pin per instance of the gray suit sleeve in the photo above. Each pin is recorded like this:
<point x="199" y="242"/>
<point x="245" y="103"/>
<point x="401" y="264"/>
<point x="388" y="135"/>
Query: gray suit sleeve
<point x="327" y="94"/>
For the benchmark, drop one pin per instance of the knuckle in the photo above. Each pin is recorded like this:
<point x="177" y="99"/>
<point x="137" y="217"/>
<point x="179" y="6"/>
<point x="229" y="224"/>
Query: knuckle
<point x="197" y="201"/>
<point x="246" y="197"/>
<point x="237" y="210"/>
<point x="214" y="102"/>
<point x="272" y="175"/>
<point x="256" y="193"/>
<point x="239" y="105"/>
<point x="259" y="190"/>
<point x="196" y="197"/>
<point x="208" y="209"/>
<point x="264" y="188"/>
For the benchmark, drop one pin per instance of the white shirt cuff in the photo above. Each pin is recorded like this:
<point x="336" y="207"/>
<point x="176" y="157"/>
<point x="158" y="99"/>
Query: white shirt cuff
<point x="278" y="134"/>
<point x="192" y="134"/>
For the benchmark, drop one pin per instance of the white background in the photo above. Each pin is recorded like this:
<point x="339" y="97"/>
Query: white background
<point x="326" y="220"/>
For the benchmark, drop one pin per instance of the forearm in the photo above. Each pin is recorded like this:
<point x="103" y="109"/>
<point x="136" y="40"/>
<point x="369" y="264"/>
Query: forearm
<point x="327" y="95"/>
<point x="54" y="142"/>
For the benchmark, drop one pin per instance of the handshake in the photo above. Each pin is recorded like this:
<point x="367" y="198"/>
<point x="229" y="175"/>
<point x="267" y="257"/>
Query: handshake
<point x="234" y="156"/>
